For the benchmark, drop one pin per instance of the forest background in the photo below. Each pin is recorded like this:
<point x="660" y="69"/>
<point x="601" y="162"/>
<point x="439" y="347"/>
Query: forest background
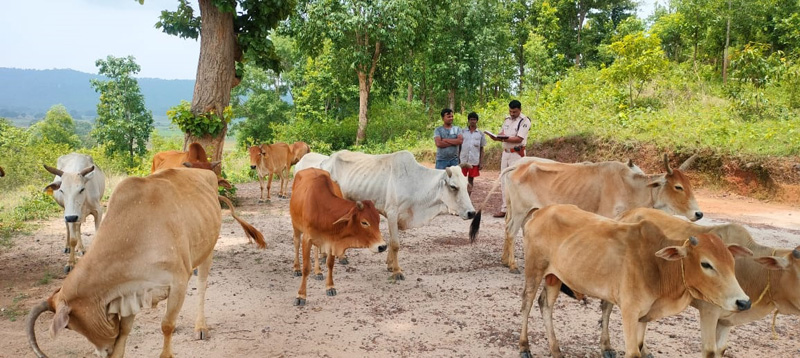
<point x="718" y="78"/>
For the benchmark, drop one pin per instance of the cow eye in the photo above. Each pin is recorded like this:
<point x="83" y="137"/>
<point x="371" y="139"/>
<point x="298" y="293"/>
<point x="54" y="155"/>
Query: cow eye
<point x="454" y="188"/>
<point x="82" y="189"/>
<point x="364" y="224"/>
<point x="60" y="191"/>
<point x="678" y="188"/>
<point x="706" y="265"/>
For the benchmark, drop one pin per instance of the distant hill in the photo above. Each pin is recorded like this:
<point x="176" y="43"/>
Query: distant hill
<point x="28" y="94"/>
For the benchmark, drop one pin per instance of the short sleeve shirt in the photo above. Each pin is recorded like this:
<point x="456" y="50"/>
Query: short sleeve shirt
<point x="510" y="126"/>
<point x="447" y="133"/>
<point x="471" y="147"/>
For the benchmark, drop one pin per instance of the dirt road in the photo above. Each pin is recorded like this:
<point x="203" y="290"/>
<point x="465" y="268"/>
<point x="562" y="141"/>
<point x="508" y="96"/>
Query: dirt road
<point x="457" y="299"/>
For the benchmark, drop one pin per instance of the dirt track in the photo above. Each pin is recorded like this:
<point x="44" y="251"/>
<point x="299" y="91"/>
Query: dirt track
<point x="457" y="299"/>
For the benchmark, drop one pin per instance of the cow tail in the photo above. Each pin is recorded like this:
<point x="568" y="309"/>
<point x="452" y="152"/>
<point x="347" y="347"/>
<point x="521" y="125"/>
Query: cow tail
<point x="249" y="230"/>
<point x="476" y="221"/>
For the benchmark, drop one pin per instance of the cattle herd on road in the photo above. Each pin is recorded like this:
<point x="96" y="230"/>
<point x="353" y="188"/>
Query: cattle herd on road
<point x="605" y="230"/>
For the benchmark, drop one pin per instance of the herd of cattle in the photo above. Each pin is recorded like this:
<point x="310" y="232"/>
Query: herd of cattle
<point x="604" y="230"/>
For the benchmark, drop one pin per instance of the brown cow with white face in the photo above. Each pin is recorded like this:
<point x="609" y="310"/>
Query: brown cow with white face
<point x="606" y="189"/>
<point x="633" y="265"/>
<point x="322" y="218"/>
<point x="771" y="277"/>
<point x="195" y="157"/>
<point x="157" y="230"/>
<point x="268" y="159"/>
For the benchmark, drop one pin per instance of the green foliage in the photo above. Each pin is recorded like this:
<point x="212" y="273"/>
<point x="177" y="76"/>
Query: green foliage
<point x="258" y="99"/>
<point x="751" y="65"/>
<point x="123" y="124"/>
<point x="638" y="58"/>
<point x="57" y="127"/>
<point x="198" y="125"/>
<point x="15" y="218"/>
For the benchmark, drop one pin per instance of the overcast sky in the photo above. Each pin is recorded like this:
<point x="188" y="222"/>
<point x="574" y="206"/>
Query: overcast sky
<point x="48" y="34"/>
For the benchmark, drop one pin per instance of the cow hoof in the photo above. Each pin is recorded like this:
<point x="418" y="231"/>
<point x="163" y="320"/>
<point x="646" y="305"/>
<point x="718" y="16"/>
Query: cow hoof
<point x="319" y="277"/>
<point x="397" y="277"/>
<point x="299" y="301"/>
<point x="66" y="250"/>
<point x="609" y="354"/>
<point x="344" y="261"/>
<point x="331" y="292"/>
<point x="260" y="201"/>
<point x="514" y="271"/>
<point x="80" y="253"/>
<point x="298" y="273"/>
<point x="194" y="272"/>
<point x="201" y="335"/>
<point x="525" y="354"/>
<point x="67" y="268"/>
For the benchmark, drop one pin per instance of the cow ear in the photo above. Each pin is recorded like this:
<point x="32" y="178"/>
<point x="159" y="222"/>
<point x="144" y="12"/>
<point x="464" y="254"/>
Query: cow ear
<point x="672" y="253"/>
<point x="53" y="186"/>
<point x="215" y="164"/>
<point x="224" y="183"/>
<point x="187" y="164"/>
<point x="344" y="219"/>
<point x="739" y="251"/>
<point x="657" y="182"/>
<point x="773" y="262"/>
<point x="60" y="320"/>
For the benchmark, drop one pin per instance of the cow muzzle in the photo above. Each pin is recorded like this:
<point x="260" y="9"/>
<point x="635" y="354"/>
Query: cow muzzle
<point x="252" y="167"/>
<point x="743" y="305"/>
<point x="71" y="218"/>
<point x="470" y="214"/>
<point x="697" y="215"/>
<point x="382" y="248"/>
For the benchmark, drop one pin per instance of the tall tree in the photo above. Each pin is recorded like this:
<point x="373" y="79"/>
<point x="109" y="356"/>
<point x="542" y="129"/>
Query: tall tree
<point x="231" y="32"/>
<point x="123" y="123"/>
<point x="359" y="32"/>
<point x="56" y="127"/>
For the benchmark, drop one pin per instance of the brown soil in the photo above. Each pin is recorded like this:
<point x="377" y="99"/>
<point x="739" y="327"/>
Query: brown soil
<point x="457" y="299"/>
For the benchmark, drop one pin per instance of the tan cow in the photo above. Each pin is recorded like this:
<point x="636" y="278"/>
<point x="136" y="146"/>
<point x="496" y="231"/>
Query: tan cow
<point x="635" y="266"/>
<point x="322" y="218"/>
<point x="268" y="159"/>
<point x="2" y="172"/>
<point x="195" y="157"/>
<point x="299" y="150"/>
<point x="771" y="276"/>
<point x="605" y="188"/>
<point x="157" y="229"/>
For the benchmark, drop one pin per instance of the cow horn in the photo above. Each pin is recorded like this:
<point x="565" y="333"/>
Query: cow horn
<point x="796" y="253"/>
<point x="666" y="164"/>
<point x="215" y="164"/>
<point x="360" y="205"/>
<point x="693" y="241"/>
<point x="630" y="163"/>
<point x="53" y="170"/>
<point x="29" y="326"/>
<point x="87" y="170"/>
<point x="688" y="163"/>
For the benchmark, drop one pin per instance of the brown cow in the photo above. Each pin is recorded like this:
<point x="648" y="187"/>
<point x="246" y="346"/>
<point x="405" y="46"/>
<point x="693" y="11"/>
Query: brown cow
<point x="605" y="188"/>
<point x="157" y="229"/>
<point x="2" y="173"/>
<point x="772" y="276"/>
<point x="635" y="266"/>
<point x="299" y="149"/>
<point x="268" y="159"/>
<point x="195" y="157"/>
<point x="330" y="223"/>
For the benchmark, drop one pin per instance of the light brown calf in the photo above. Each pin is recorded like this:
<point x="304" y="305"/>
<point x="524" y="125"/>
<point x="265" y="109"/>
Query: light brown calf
<point x="299" y="150"/>
<point x="268" y="159"/>
<point x="632" y="265"/>
<point x="325" y="220"/>
<point x="156" y="231"/>
<point x="195" y="157"/>
<point x="771" y="277"/>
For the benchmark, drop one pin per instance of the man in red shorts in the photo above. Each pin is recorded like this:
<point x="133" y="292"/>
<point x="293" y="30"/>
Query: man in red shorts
<point x="472" y="150"/>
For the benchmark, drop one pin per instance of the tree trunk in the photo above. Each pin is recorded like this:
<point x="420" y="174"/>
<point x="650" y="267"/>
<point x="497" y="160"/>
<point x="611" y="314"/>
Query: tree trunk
<point x="581" y="17"/>
<point x="521" y="63"/>
<point x="216" y="73"/>
<point x="451" y="97"/>
<point x="725" y="52"/>
<point x="363" y="101"/>
<point x="410" y="92"/>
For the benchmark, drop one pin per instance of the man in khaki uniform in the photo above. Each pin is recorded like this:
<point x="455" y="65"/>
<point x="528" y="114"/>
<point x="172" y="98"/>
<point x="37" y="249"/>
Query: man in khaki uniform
<point x="514" y="136"/>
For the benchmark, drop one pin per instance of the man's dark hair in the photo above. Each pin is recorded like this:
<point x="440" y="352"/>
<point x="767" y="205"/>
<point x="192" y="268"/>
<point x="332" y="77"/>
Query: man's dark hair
<point x="472" y="115"/>
<point x="514" y="104"/>
<point x="446" y="111"/>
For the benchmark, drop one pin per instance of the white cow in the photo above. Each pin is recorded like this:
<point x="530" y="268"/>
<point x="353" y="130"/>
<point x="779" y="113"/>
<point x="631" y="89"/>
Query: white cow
<point x="78" y="187"/>
<point x="408" y="194"/>
<point x="310" y="160"/>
